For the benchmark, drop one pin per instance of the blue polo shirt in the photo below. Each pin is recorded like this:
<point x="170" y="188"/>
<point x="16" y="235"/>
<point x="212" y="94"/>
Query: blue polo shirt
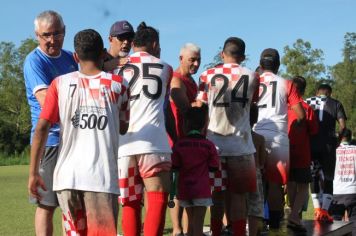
<point x="39" y="71"/>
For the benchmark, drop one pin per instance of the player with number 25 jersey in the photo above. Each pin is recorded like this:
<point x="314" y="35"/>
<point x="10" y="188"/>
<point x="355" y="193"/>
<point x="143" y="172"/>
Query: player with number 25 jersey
<point x="148" y="79"/>
<point x="144" y="153"/>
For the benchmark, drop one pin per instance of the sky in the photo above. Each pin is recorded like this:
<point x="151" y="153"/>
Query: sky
<point x="260" y="23"/>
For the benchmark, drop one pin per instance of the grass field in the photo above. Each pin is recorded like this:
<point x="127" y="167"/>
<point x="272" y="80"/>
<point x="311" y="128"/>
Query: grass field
<point x="16" y="214"/>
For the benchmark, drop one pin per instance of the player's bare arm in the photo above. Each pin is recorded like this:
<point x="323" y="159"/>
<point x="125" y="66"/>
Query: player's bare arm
<point x="178" y="94"/>
<point x="299" y="111"/>
<point x="342" y="124"/>
<point x="41" y="96"/>
<point x="37" y="150"/>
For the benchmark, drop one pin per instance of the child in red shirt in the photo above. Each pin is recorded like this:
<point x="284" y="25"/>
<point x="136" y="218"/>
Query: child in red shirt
<point x="193" y="157"/>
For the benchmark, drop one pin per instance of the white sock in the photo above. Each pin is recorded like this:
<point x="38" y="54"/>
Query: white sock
<point x="327" y="199"/>
<point x="315" y="199"/>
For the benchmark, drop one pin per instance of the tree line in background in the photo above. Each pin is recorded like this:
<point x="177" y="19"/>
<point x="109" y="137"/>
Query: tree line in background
<point x="298" y="59"/>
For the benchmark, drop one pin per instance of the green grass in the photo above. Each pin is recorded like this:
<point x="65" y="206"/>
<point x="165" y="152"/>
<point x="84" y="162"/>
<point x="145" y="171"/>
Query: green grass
<point x="10" y="160"/>
<point x="17" y="214"/>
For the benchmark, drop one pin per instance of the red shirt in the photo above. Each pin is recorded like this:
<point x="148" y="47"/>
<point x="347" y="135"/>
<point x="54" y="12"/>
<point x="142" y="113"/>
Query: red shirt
<point x="191" y="92"/>
<point x="193" y="156"/>
<point x="299" y="137"/>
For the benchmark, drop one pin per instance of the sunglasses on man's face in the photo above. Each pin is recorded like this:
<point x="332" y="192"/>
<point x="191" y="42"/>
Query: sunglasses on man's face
<point x="124" y="37"/>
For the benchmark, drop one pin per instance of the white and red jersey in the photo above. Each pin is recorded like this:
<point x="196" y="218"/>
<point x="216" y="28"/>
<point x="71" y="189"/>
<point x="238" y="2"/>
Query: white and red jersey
<point x="345" y="170"/>
<point x="89" y="110"/>
<point x="275" y="94"/>
<point x="229" y="90"/>
<point x="149" y="78"/>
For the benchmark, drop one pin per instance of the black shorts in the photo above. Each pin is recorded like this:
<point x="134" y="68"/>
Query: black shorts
<point x="342" y="203"/>
<point x="300" y="175"/>
<point x="327" y="159"/>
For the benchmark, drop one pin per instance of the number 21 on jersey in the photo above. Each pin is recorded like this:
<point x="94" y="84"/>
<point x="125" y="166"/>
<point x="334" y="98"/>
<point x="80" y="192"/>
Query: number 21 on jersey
<point x="268" y="92"/>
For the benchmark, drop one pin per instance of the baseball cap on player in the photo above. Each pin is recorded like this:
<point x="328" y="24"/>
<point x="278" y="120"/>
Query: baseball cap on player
<point x="270" y="58"/>
<point x="121" y="27"/>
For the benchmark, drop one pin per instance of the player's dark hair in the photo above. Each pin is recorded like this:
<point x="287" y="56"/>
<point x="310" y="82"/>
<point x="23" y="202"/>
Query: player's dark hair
<point x="89" y="45"/>
<point x="346" y="133"/>
<point x="300" y="84"/>
<point x="234" y="47"/>
<point x="196" y="117"/>
<point x="325" y="87"/>
<point x="145" y="35"/>
<point x="253" y="114"/>
<point x="259" y="70"/>
<point x="270" y="60"/>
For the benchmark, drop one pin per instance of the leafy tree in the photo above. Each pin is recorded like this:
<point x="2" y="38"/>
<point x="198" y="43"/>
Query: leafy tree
<point x="301" y="59"/>
<point x="15" y="122"/>
<point x="344" y="75"/>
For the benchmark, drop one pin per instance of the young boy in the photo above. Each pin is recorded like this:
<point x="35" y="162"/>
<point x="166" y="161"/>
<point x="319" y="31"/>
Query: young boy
<point x="194" y="156"/>
<point x="91" y="106"/>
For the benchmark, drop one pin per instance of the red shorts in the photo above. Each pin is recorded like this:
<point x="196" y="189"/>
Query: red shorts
<point x="88" y="213"/>
<point x="241" y="174"/>
<point x="132" y="169"/>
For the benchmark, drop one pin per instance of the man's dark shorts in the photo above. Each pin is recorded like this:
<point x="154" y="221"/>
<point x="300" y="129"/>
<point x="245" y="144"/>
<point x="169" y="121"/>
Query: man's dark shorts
<point x="326" y="157"/>
<point x="46" y="169"/>
<point x="300" y="175"/>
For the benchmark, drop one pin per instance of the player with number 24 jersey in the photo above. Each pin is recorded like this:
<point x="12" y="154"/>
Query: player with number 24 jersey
<point x="229" y="89"/>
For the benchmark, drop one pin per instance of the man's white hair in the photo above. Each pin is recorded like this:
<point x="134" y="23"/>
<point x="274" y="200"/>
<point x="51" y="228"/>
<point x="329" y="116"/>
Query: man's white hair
<point x="190" y="47"/>
<point x="49" y="17"/>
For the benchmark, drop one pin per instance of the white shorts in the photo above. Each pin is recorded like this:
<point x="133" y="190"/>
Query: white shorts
<point x="277" y="162"/>
<point x="133" y="169"/>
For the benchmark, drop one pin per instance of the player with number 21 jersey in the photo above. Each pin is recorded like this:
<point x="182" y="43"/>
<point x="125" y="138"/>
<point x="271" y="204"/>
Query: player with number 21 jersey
<point x="275" y="95"/>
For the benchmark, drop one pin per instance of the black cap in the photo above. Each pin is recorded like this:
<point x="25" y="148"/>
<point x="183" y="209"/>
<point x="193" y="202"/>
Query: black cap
<point x="270" y="54"/>
<point x="121" y="27"/>
<point x="270" y="59"/>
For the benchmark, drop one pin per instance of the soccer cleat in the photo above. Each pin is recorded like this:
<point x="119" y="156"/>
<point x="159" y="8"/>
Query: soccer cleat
<point x="325" y="217"/>
<point x="316" y="213"/>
